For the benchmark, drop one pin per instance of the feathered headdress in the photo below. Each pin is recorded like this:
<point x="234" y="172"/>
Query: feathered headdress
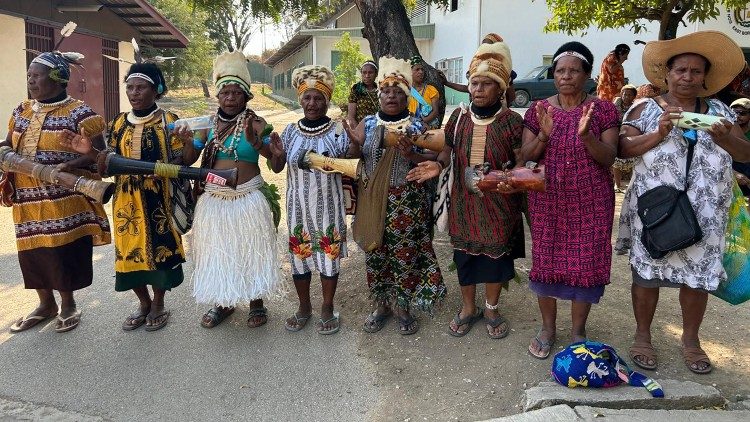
<point x="139" y="56"/>
<point x="60" y="62"/>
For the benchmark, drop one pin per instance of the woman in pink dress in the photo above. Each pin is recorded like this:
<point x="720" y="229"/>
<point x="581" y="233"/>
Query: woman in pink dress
<point x="575" y="136"/>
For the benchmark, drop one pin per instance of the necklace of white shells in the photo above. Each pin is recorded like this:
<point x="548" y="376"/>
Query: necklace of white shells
<point x="314" y="131"/>
<point x="397" y="125"/>
<point x="230" y="150"/>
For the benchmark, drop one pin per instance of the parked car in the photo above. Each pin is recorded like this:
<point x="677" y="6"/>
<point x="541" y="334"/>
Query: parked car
<point x="539" y="84"/>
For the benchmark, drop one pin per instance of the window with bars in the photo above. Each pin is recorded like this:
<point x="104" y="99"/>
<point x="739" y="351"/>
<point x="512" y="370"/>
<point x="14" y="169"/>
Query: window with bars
<point x="454" y="5"/>
<point x="452" y="68"/>
<point x="38" y="37"/>
<point x="111" y="80"/>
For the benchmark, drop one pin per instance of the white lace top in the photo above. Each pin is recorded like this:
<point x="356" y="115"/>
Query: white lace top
<point x="710" y="193"/>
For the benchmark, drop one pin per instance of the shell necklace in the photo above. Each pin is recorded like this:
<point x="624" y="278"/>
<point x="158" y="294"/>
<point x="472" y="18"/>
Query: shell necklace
<point x="230" y="150"/>
<point x="314" y="131"/>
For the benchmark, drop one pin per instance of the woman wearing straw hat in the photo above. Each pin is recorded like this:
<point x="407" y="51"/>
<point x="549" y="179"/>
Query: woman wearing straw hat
<point x="575" y="136"/>
<point x="691" y="67"/>
<point x="233" y="238"/>
<point x="486" y="231"/>
<point x="314" y="200"/>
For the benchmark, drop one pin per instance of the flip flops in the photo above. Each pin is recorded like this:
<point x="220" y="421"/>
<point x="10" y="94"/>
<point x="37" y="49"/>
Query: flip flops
<point x="468" y="321"/>
<point x="63" y="325"/>
<point x="496" y="322"/>
<point x="216" y="316"/>
<point x="300" y="322"/>
<point x="160" y="325"/>
<point x="545" y="347"/>
<point x="334" y="330"/>
<point x="641" y="352"/>
<point x="28" y="322"/>
<point x="375" y="323"/>
<point x="695" y="355"/>
<point x="405" y="323"/>
<point x="135" y="320"/>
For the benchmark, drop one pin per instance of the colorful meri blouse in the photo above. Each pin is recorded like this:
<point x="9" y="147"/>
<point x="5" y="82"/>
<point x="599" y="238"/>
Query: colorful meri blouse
<point x="491" y="224"/>
<point x="710" y="192"/>
<point x="47" y="215"/>
<point x="404" y="269"/>
<point x="571" y="223"/>
<point x="315" y="203"/>
<point x="144" y="237"/>
<point x="611" y="78"/>
<point x="366" y="100"/>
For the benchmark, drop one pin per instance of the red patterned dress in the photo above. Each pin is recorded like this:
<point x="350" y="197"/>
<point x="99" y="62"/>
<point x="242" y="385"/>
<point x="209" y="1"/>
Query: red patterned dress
<point x="571" y="223"/>
<point x="486" y="231"/>
<point x="611" y="78"/>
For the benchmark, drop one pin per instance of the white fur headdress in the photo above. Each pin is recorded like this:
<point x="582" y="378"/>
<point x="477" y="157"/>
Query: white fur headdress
<point x="493" y="61"/>
<point x="394" y="72"/>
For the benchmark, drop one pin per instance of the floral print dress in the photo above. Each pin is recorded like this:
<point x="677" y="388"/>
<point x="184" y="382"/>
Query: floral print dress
<point x="710" y="192"/>
<point x="315" y="203"/>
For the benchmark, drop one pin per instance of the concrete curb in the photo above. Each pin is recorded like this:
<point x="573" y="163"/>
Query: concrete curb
<point x="677" y="395"/>
<point x="586" y="413"/>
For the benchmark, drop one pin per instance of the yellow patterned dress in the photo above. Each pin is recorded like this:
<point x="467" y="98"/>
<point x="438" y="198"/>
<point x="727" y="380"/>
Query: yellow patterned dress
<point x="148" y="250"/>
<point x="55" y="227"/>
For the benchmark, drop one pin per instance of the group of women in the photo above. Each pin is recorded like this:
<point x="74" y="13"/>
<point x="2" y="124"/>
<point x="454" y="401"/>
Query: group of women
<point x="575" y="135"/>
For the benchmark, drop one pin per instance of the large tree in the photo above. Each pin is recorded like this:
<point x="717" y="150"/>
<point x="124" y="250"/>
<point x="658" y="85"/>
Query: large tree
<point x="231" y="25"/>
<point x="580" y="15"/>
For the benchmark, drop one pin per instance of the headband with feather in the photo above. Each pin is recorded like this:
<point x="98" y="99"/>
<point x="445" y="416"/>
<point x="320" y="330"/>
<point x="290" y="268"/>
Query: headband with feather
<point x="60" y="62"/>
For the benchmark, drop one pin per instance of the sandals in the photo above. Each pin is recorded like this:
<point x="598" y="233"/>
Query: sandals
<point x="468" y="321"/>
<point x="216" y="316"/>
<point x="544" y="346"/>
<point x="135" y="320"/>
<point x="405" y="323"/>
<point x="63" y="325"/>
<point x="641" y="352"/>
<point x="27" y="322"/>
<point x="334" y="330"/>
<point x="694" y="355"/>
<point x="496" y="322"/>
<point x="300" y="322"/>
<point x="164" y="316"/>
<point x="375" y="323"/>
<point x="257" y="312"/>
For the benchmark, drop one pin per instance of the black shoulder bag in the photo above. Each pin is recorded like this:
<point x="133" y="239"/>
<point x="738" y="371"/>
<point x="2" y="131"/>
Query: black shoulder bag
<point x="669" y="222"/>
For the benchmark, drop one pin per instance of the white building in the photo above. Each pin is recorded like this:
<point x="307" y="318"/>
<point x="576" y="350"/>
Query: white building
<point x="448" y="38"/>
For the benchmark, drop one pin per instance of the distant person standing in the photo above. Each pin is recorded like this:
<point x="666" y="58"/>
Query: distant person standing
<point x="647" y="90"/>
<point x="612" y="74"/>
<point x="741" y="108"/>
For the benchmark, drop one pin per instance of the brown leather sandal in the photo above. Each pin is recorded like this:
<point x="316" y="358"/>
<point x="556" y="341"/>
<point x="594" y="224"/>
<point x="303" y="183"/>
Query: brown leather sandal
<point x="641" y="352"/>
<point x="695" y="355"/>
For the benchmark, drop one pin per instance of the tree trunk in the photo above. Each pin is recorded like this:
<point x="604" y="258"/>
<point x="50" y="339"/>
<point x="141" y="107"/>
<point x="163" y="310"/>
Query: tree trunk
<point x="671" y="18"/>
<point x="388" y="30"/>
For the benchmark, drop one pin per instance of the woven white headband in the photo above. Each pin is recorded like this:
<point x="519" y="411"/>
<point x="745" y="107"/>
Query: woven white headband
<point x="43" y="62"/>
<point x="571" y="53"/>
<point x="142" y="76"/>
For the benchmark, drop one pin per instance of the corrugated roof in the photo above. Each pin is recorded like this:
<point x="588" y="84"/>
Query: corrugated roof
<point x="154" y="28"/>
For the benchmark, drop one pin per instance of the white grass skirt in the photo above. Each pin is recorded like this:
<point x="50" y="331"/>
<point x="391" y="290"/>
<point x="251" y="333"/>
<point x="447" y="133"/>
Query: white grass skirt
<point x="234" y="246"/>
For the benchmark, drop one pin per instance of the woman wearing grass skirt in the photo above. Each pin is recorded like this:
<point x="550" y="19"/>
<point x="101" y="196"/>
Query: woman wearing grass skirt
<point x="233" y="237"/>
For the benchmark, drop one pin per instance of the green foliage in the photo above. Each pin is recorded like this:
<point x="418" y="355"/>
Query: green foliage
<point x="578" y="16"/>
<point x="347" y="71"/>
<point x="193" y="63"/>
<point x="271" y="192"/>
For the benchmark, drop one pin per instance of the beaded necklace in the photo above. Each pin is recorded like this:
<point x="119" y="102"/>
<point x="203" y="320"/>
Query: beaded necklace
<point x="230" y="150"/>
<point x="399" y="125"/>
<point x="39" y="106"/>
<point x="314" y="131"/>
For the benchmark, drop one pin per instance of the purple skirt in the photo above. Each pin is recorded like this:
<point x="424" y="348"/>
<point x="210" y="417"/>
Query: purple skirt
<point x="561" y="291"/>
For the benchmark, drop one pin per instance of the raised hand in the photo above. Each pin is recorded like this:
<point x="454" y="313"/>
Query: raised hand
<point x="80" y="143"/>
<point x="544" y="116"/>
<point x="584" y="125"/>
<point x="424" y="171"/>
<point x="351" y="133"/>
<point x="276" y="146"/>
